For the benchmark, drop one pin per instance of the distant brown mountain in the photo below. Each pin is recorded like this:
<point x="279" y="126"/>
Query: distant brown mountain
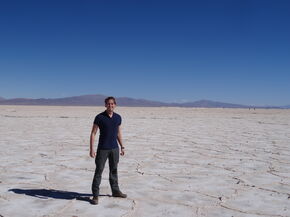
<point x="74" y="100"/>
<point x="98" y="100"/>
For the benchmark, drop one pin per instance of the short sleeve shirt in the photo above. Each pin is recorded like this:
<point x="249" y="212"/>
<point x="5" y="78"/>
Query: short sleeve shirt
<point x="108" y="130"/>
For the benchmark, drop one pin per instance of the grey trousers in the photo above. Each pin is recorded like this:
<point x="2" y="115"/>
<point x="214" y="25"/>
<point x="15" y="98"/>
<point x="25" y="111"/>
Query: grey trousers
<point x="101" y="158"/>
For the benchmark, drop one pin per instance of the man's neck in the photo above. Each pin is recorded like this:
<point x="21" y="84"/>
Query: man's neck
<point x="110" y="113"/>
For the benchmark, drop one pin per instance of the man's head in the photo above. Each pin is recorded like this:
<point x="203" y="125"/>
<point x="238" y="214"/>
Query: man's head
<point x="110" y="103"/>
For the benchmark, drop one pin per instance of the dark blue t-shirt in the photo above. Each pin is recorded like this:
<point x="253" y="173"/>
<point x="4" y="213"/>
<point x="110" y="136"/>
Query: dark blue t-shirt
<point x="108" y="129"/>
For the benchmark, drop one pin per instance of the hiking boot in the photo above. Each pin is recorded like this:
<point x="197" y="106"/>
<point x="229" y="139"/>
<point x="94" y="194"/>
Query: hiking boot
<point x="119" y="194"/>
<point x="95" y="201"/>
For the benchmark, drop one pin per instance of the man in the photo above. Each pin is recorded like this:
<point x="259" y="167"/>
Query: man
<point x="109" y="124"/>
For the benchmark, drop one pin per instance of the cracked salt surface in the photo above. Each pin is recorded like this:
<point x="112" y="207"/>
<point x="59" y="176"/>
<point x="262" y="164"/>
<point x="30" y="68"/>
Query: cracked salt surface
<point x="178" y="162"/>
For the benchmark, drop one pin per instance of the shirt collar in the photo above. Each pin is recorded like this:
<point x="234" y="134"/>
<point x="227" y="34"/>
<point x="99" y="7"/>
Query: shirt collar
<point x="106" y="114"/>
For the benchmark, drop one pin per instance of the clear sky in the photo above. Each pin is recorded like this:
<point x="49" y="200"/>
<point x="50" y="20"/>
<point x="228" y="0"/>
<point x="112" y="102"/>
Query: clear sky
<point x="235" y="51"/>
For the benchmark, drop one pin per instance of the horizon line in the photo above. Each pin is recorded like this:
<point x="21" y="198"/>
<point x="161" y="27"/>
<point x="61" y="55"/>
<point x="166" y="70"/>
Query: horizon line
<point x="168" y="102"/>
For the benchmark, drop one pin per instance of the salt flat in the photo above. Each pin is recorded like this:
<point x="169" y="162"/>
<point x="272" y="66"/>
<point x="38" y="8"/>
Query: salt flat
<point x="178" y="162"/>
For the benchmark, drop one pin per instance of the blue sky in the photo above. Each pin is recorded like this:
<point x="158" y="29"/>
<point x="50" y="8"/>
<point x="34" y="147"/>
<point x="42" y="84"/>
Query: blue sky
<point x="235" y="51"/>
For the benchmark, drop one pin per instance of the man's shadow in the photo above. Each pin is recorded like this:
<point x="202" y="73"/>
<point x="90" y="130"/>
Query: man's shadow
<point x="56" y="194"/>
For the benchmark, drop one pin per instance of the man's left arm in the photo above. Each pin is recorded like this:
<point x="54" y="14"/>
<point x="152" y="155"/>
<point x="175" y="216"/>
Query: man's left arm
<point x="119" y="138"/>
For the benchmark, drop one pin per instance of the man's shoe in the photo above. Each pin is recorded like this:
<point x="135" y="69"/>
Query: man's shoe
<point x="95" y="201"/>
<point x="119" y="194"/>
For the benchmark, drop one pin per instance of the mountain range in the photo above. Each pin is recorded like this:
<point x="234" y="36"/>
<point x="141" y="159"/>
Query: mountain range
<point x="98" y="100"/>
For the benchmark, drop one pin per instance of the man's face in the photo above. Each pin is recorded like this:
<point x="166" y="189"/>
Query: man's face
<point x="110" y="105"/>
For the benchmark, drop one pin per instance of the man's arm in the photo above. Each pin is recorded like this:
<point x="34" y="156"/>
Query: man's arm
<point x="92" y="140"/>
<point x="119" y="138"/>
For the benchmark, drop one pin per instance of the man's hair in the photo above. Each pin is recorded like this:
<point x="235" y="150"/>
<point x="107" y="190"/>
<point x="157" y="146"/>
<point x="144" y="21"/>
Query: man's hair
<point x="110" y="97"/>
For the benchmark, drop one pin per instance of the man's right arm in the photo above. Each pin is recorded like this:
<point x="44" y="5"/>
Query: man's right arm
<point x="92" y="140"/>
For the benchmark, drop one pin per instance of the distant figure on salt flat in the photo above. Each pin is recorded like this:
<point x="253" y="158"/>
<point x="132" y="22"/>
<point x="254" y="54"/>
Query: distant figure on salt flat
<point x="109" y="124"/>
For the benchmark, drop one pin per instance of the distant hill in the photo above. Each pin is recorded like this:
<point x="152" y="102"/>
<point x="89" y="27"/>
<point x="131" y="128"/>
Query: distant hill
<point x="126" y="101"/>
<point x="98" y="100"/>
<point x="74" y="100"/>
<point x="286" y="106"/>
<point x="212" y="104"/>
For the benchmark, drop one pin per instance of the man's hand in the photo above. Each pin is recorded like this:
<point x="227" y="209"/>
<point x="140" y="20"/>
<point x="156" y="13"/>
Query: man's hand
<point x="122" y="152"/>
<point x="92" y="153"/>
